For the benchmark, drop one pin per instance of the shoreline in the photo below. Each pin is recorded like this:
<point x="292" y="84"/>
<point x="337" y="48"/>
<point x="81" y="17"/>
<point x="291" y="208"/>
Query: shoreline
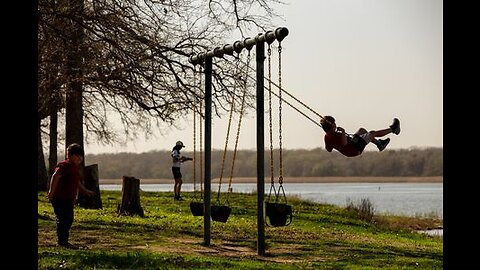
<point x="329" y="179"/>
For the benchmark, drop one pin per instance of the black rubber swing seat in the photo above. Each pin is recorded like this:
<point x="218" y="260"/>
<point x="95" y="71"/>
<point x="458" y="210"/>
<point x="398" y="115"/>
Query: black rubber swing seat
<point x="196" y="208"/>
<point x="279" y="214"/>
<point x="220" y="213"/>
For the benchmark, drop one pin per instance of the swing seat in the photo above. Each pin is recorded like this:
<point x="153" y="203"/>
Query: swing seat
<point x="279" y="214"/>
<point x="196" y="208"/>
<point x="220" y="213"/>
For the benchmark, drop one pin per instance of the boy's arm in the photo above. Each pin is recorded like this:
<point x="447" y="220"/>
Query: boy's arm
<point x="84" y="190"/>
<point x="328" y="146"/>
<point x="53" y="184"/>
<point x="344" y="136"/>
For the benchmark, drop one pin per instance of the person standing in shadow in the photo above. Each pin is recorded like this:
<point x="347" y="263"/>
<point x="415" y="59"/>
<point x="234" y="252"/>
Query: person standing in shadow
<point x="65" y="184"/>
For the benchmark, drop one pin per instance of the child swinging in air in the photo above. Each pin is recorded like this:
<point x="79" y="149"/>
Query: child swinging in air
<point x="351" y="146"/>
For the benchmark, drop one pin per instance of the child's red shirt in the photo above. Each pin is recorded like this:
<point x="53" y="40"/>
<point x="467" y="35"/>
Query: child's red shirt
<point x="334" y="141"/>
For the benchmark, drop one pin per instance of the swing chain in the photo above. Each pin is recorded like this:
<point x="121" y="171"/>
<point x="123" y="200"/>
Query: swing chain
<point x="269" y="53"/>
<point x="272" y="186"/>
<point x="242" y="106"/>
<point x="194" y="150"/>
<point x="280" y="178"/>
<point x="201" y="148"/>
<point x="195" y="136"/>
<point x="232" y="108"/>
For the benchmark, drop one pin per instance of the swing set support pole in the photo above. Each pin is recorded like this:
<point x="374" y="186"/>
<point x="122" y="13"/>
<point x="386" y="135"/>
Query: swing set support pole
<point x="208" y="151"/>
<point x="260" y="57"/>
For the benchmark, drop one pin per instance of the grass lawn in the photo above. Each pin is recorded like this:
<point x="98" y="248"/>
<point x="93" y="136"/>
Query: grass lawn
<point x="321" y="236"/>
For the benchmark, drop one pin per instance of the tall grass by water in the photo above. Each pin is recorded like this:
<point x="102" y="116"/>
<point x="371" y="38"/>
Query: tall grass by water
<point x="321" y="236"/>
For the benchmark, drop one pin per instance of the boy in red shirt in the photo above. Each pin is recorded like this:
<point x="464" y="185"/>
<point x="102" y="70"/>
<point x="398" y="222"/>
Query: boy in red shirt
<point x="63" y="188"/>
<point x="351" y="146"/>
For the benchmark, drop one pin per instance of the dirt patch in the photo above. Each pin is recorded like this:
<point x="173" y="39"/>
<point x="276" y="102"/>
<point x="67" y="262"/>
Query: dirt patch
<point x="225" y="249"/>
<point x="86" y="239"/>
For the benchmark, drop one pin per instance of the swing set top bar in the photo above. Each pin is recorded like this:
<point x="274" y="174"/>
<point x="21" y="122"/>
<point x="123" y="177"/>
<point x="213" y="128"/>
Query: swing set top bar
<point x="248" y="43"/>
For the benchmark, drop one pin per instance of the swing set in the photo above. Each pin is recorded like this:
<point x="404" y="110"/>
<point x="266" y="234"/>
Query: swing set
<point x="277" y="211"/>
<point x="275" y="207"/>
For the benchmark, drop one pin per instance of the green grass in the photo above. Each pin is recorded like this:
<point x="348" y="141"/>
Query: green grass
<point x="321" y="236"/>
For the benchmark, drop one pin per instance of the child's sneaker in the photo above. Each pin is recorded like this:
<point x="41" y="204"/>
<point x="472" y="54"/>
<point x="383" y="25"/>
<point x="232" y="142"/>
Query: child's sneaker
<point x="395" y="126"/>
<point x="381" y="144"/>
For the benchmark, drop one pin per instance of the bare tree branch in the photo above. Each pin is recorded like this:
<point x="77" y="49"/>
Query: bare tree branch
<point x="135" y="58"/>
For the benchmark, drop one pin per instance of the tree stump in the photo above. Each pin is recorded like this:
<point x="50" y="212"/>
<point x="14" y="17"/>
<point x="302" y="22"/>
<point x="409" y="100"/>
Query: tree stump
<point x="130" y="197"/>
<point x="90" y="181"/>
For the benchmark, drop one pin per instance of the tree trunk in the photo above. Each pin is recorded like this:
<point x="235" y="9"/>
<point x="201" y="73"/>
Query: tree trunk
<point x="130" y="197"/>
<point x="74" y="91"/>
<point x="74" y="104"/>
<point x="90" y="181"/>
<point x="42" y="178"/>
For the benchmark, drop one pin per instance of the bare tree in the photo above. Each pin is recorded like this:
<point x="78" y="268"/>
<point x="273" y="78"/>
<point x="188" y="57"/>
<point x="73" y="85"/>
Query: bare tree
<point x="137" y="59"/>
<point x="51" y="79"/>
<point x="129" y="59"/>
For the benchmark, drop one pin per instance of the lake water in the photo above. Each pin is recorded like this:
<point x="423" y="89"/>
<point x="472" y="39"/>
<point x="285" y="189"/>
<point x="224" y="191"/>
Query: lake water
<point x="406" y="199"/>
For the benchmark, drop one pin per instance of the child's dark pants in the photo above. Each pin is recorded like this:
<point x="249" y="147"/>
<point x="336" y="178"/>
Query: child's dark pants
<point x="63" y="209"/>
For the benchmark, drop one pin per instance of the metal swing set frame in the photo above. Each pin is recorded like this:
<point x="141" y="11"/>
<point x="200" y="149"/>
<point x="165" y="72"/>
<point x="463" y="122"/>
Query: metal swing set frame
<point x="205" y="59"/>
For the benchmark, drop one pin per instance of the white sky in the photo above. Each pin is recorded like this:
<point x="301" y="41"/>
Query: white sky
<point x="362" y="61"/>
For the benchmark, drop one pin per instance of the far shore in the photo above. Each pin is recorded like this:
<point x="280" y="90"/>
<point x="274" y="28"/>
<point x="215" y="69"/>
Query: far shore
<point x="332" y="179"/>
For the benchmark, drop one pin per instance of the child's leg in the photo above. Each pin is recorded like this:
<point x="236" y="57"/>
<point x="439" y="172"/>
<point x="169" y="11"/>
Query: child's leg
<point x="380" y="133"/>
<point x="180" y="182"/>
<point x="365" y="135"/>
<point x="381" y="144"/>
<point x="175" y="188"/>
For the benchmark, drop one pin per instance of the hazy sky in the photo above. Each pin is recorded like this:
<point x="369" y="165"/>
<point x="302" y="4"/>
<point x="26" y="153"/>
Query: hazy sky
<point x="362" y="61"/>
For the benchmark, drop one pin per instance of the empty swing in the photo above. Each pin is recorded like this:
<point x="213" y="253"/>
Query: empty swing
<point x="197" y="206"/>
<point x="279" y="213"/>
<point x="221" y="212"/>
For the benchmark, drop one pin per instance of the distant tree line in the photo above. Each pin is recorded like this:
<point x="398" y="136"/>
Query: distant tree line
<point x="296" y="163"/>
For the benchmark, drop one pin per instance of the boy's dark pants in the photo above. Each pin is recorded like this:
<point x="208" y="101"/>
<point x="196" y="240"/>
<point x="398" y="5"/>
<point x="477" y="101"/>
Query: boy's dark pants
<point x="63" y="209"/>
